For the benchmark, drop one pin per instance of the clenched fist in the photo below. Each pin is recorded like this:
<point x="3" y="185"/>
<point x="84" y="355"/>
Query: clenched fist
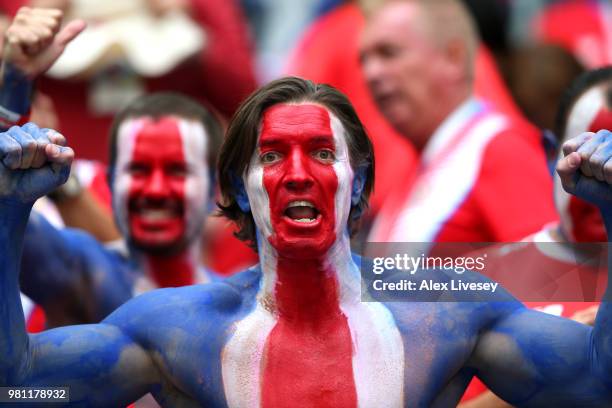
<point x="35" y="40"/>
<point x="33" y="162"/>
<point x="586" y="169"/>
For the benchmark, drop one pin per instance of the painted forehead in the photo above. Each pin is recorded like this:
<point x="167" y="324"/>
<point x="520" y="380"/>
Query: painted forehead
<point x="291" y="120"/>
<point x="164" y="135"/>
<point x="590" y="113"/>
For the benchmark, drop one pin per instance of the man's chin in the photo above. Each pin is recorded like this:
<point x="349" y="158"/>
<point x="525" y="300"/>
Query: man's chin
<point x="301" y="248"/>
<point x="158" y="246"/>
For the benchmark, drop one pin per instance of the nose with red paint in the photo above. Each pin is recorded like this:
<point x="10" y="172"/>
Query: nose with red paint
<point x="156" y="201"/>
<point x="299" y="180"/>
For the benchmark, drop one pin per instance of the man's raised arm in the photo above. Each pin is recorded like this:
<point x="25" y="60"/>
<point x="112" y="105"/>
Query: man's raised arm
<point x="100" y="363"/>
<point x="56" y="263"/>
<point x="533" y="359"/>
<point x="586" y="171"/>
<point x="31" y="44"/>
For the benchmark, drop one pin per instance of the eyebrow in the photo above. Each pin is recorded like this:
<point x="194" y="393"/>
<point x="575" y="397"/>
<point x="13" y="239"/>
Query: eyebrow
<point x="324" y="140"/>
<point x="275" y="140"/>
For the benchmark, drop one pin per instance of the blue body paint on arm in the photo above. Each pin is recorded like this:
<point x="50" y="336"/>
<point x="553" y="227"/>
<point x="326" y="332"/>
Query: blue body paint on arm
<point x="13" y="338"/>
<point x="102" y="365"/>
<point x="71" y="275"/>
<point x="15" y="97"/>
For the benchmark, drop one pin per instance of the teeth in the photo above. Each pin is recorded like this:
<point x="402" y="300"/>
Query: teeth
<point x="155" y="215"/>
<point x="305" y="220"/>
<point x="300" y="204"/>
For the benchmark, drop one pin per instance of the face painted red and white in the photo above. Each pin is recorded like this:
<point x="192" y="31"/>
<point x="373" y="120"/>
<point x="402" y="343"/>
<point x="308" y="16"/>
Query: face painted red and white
<point x="299" y="180"/>
<point x="161" y="182"/>
<point x="581" y="221"/>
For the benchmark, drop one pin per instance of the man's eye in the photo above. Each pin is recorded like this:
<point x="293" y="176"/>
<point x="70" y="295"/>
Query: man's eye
<point x="388" y="51"/>
<point x="177" y="170"/>
<point x="270" y="157"/>
<point x="325" y="156"/>
<point x="138" y="169"/>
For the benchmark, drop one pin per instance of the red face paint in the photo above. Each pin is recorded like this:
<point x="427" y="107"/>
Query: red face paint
<point x="297" y="151"/>
<point x="308" y="354"/>
<point x="603" y="120"/>
<point x="156" y="203"/>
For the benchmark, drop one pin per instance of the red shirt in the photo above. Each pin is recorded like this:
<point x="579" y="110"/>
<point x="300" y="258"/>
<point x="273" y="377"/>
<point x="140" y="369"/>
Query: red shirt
<point x="481" y="179"/>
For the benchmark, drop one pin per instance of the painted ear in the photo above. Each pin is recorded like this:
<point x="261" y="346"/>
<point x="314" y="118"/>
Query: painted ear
<point x="241" y="196"/>
<point x="358" y="185"/>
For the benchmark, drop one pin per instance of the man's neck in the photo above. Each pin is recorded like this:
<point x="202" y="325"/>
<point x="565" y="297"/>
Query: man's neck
<point x="440" y="115"/>
<point x="180" y="269"/>
<point x="309" y="291"/>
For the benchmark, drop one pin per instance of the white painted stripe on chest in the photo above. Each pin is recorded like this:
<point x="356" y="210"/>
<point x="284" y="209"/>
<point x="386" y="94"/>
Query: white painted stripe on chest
<point x="378" y="349"/>
<point x="437" y="195"/>
<point x="242" y="357"/>
<point x="378" y="355"/>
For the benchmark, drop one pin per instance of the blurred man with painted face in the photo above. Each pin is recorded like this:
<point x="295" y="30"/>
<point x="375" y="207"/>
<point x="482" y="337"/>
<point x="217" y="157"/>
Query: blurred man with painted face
<point x="418" y="60"/>
<point x="161" y="197"/>
<point x="163" y="153"/>
<point x="158" y="190"/>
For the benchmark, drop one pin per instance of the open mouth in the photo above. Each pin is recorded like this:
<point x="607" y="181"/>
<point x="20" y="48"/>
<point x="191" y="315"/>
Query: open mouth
<point x="156" y="213"/>
<point x="303" y="212"/>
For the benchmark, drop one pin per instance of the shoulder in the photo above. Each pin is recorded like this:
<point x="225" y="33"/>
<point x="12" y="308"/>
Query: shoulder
<point x="516" y="155"/>
<point x="185" y="307"/>
<point x="63" y="240"/>
<point x="515" y="136"/>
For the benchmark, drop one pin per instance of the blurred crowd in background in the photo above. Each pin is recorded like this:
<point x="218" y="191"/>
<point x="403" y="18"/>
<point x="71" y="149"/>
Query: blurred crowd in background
<point x="218" y="51"/>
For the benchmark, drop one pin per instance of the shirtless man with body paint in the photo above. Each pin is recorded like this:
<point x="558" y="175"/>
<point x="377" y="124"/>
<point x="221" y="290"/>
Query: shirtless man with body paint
<point x="162" y="159"/>
<point x="295" y="170"/>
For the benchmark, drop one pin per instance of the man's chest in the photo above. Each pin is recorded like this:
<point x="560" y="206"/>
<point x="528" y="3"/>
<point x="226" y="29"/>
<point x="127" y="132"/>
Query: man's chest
<point x="258" y="361"/>
<point x="353" y="358"/>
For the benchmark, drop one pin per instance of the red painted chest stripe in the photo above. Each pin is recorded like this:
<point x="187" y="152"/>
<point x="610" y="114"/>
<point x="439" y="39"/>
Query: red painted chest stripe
<point x="308" y="354"/>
